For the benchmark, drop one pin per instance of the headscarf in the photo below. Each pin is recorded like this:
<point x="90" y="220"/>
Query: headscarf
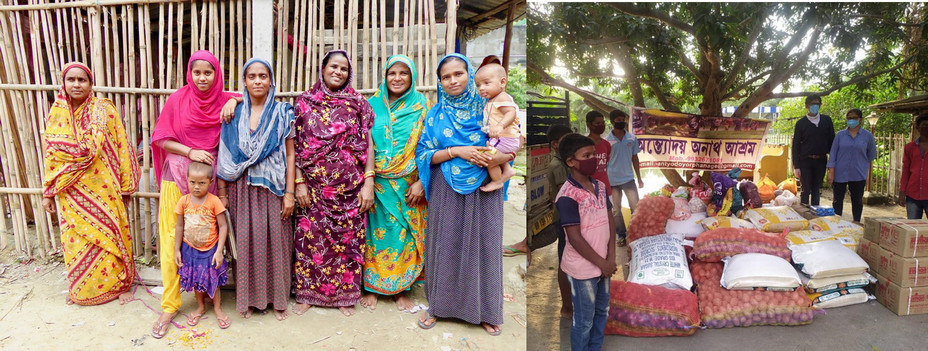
<point x="397" y="126"/>
<point x="453" y="121"/>
<point x="73" y="140"/>
<point x="324" y="116"/>
<point x="192" y="118"/>
<point x="261" y="152"/>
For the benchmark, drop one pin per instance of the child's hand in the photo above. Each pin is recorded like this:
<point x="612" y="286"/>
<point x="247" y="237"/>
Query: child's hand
<point x="217" y="259"/>
<point x="494" y="131"/>
<point x="177" y="259"/>
<point x="608" y="267"/>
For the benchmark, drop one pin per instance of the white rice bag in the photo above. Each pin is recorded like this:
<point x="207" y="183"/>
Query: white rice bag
<point x="660" y="260"/>
<point x="827" y="258"/>
<point x="756" y="271"/>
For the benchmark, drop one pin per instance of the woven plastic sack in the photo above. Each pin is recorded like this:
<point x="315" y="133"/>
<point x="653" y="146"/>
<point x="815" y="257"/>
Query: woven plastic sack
<point x="650" y="217"/>
<point x="827" y="259"/>
<point x="839" y="298"/>
<point x="726" y="222"/>
<point x="776" y="219"/>
<point x="766" y="189"/>
<point x="722" y="308"/>
<point x="660" y="260"/>
<point x="716" y="244"/>
<point x="642" y="310"/>
<point x="753" y="271"/>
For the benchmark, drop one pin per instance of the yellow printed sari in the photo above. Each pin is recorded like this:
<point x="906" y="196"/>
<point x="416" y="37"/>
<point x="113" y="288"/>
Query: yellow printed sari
<point x="89" y="164"/>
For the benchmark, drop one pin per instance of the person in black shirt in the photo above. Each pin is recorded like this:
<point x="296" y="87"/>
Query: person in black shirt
<point x="812" y="138"/>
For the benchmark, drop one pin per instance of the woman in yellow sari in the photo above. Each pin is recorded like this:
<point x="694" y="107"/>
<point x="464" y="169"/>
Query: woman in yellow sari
<point x="90" y="171"/>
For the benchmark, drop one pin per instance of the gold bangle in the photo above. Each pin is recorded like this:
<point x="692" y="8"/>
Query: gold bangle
<point x="368" y="174"/>
<point x="450" y="155"/>
<point x="300" y="180"/>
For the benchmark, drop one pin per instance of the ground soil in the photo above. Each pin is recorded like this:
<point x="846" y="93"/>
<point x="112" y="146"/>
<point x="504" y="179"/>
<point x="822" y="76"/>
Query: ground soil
<point x="33" y="315"/>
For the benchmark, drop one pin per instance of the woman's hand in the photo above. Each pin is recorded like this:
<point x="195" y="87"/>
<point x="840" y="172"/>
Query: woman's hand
<point x="474" y="154"/>
<point x="367" y="195"/>
<point x="286" y="209"/>
<point x="228" y="110"/>
<point x="48" y="204"/>
<point x="177" y="259"/>
<point x="200" y="156"/>
<point x="415" y="193"/>
<point x="217" y="259"/>
<point x="302" y="194"/>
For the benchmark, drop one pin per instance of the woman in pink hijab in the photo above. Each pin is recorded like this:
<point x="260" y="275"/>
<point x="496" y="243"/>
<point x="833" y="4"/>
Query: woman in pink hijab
<point x="187" y="131"/>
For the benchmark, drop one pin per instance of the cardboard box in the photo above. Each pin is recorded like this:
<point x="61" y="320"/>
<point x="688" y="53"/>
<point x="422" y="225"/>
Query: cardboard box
<point x="907" y="238"/>
<point x="870" y="252"/>
<point x="902" y="271"/>
<point x="538" y="193"/>
<point x="902" y="301"/>
<point x="872" y="227"/>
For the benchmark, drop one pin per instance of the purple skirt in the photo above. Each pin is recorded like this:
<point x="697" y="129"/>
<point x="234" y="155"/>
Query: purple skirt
<point x="198" y="274"/>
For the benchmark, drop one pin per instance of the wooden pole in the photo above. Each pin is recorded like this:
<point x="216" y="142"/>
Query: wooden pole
<point x="451" y="26"/>
<point x="507" y="42"/>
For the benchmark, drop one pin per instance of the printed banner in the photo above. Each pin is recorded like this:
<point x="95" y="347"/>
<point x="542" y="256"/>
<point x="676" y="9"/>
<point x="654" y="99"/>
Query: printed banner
<point x="683" y="141"/>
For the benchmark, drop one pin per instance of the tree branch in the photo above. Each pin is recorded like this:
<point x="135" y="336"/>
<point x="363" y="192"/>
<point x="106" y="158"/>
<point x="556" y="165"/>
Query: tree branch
<point x="689" y="65"/>
<point x="746" y="84"/>
<point x="843" y="84"/>
<point x="919" y="24"/>
<point x="603" y="41"/>
<point x="660" y="17"/>
<point x="745" y="53"/>
<point x="783" y="55"/>
<point x="665" y="103"/>
<point x="591" y="100"/>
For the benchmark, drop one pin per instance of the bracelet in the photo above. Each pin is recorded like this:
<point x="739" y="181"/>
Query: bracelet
<point x="223" y="187"/>
<point x="289" y="192"/>
<point x="368" y="174"/>
<point x="512" y="156"/>
<point x="223" y="196"/>
<point x="189" y="151"/>
<point x="450" y="155"/>
<point x="300" y="180"/>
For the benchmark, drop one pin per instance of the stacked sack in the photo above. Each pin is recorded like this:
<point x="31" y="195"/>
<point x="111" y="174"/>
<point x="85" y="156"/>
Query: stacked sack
<point x="656" y="300"/>
<point x="833" y="275"/>
<point x="897" y="251"/>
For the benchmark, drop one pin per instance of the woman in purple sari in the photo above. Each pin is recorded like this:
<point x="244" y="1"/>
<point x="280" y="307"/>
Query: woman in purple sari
<point x="334" y="186"/>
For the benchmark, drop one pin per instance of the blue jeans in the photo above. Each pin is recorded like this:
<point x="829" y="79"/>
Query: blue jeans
<point x="590" y="298"/>
<point x="630" y="189"/>
<point x="915" y="208"/>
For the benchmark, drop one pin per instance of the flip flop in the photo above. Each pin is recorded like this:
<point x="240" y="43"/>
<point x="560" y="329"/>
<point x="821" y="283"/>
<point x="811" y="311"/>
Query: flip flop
<point x="428" y="316"/>
<point x="156" y="329"/>
<point x="224" y="323"/>
<point x="512" y="251"/>
<point x="194" y="320"/>
<point x="494" y="333"/>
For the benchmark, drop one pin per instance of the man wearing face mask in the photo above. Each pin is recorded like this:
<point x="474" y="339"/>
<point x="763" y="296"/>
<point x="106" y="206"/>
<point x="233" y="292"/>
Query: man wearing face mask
<point x="623" y="160"/>
<point x="812" y="139"/>
<point x="596" y="124"/>
<point x="913" y="188"/>
<point x="849" y="164"/>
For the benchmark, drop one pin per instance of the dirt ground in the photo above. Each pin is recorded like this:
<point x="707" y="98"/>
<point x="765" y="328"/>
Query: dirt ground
<point x="549" y="332"/>
<point x="33" y="315"/>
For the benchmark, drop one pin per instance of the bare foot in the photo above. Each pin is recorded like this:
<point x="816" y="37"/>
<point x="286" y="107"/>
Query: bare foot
<point x="369" y="301"/>
<point x="347" y="311"/>
<point x="493" y="330"/>
<point x="492" y="186"/>
<point x="67" y="300"/>
<point x="301" y="308"/>
<point x="403" y="303"/>
<point x="281" y="314"/>
<point x="246" y="314"/>
<point x="125" y="297"/>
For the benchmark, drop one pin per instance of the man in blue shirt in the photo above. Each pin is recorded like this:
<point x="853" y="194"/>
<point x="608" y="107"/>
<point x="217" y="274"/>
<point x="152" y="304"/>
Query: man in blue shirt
<point x="623" y="159"/>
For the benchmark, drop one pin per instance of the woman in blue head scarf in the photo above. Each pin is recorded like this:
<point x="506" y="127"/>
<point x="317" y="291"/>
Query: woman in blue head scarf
<point x="257" y="174"/>
<point x="464" y="231"/>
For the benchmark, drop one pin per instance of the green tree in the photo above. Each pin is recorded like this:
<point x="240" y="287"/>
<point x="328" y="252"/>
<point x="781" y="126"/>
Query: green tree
<point x="703" y="55"/>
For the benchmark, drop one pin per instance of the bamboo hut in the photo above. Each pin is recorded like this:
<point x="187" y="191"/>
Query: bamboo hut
<point x="138" y="50"/>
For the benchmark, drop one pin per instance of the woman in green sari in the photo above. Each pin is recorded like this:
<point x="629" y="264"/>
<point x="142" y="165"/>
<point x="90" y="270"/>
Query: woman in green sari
<point x="396" y="224"/>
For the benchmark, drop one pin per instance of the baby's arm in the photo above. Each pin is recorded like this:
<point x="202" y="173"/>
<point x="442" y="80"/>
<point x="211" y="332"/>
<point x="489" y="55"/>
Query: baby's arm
<point x="223" y="233"/>
<point x="178" y="238"/>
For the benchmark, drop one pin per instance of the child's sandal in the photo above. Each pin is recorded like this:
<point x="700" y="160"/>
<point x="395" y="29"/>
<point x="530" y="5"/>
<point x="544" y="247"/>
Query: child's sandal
<point x="224" y="323"/>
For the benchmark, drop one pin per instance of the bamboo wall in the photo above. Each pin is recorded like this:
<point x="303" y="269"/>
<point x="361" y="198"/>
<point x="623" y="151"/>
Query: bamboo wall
<point x="138" y="51"/>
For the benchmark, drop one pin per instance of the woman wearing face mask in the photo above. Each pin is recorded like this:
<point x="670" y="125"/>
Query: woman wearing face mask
<point x="851" y="154"/>
<point x="463" y="261"/>
<point x="257" y="172"/>
<point x="913" y="188"/>
<point x="187" y="130"/>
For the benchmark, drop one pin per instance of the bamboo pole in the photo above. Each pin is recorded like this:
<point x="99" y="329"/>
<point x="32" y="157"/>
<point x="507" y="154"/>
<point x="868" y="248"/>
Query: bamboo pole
<point x="79" y="4"/>
<point x="282" y="18"/>
<point x="179" y="72"/>
<point x="365" y="43"/>
<point x="433" y="39"/>
<point x="353" y="28"/>
<point x="321" y="33"/>
<point x="297" y="55"/>
<point x="406" y="26"/>
<point x="451" y="26"/>
<point x="79" y="19"/>
<point x="395" y="34"/>
<point x="40" y="63"/>
<point x="248" y="24"/>
<point x="19" y="220"/>
<point x="420" y="36"/>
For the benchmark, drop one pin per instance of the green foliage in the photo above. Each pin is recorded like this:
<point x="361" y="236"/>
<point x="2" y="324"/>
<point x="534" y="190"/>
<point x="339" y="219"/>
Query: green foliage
<point x="516" y="85"/>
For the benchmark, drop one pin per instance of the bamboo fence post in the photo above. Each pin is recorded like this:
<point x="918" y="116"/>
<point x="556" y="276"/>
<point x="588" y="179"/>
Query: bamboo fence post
<point x="14" y="201"/>
<point x="308" y="58"/>
<point x="180" y="77"/>
<point x="365" y="45"/>
<point x="299" y="36"/>
<point x="248" y="25"/>
<point x="353" y="27"/>
<point x="78" y="21"/>
<point x="406" y="27"/>
<point x="64" y="37"/>
<point x="420" y="36"/>
<point x="53" y="54"/>
<point x="451" y="26"/>
<point x="433" y="39"/>
<point x="321" y="33"/>
<point x="40" y="63"/>
<point x="19" y="216"/>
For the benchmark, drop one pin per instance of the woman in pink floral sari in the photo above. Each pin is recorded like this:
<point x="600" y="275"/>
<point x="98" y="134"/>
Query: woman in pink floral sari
<point x="335" y="185"/>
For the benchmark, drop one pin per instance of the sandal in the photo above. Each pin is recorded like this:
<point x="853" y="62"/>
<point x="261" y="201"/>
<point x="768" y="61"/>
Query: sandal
<point x="512" y="251"/>
<point x="194" y="320"/>
<point x="493" y="333"/>
<point x="156" y="330"/>
<point x="224" y="323"/>
<point x="428" y="316"/>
